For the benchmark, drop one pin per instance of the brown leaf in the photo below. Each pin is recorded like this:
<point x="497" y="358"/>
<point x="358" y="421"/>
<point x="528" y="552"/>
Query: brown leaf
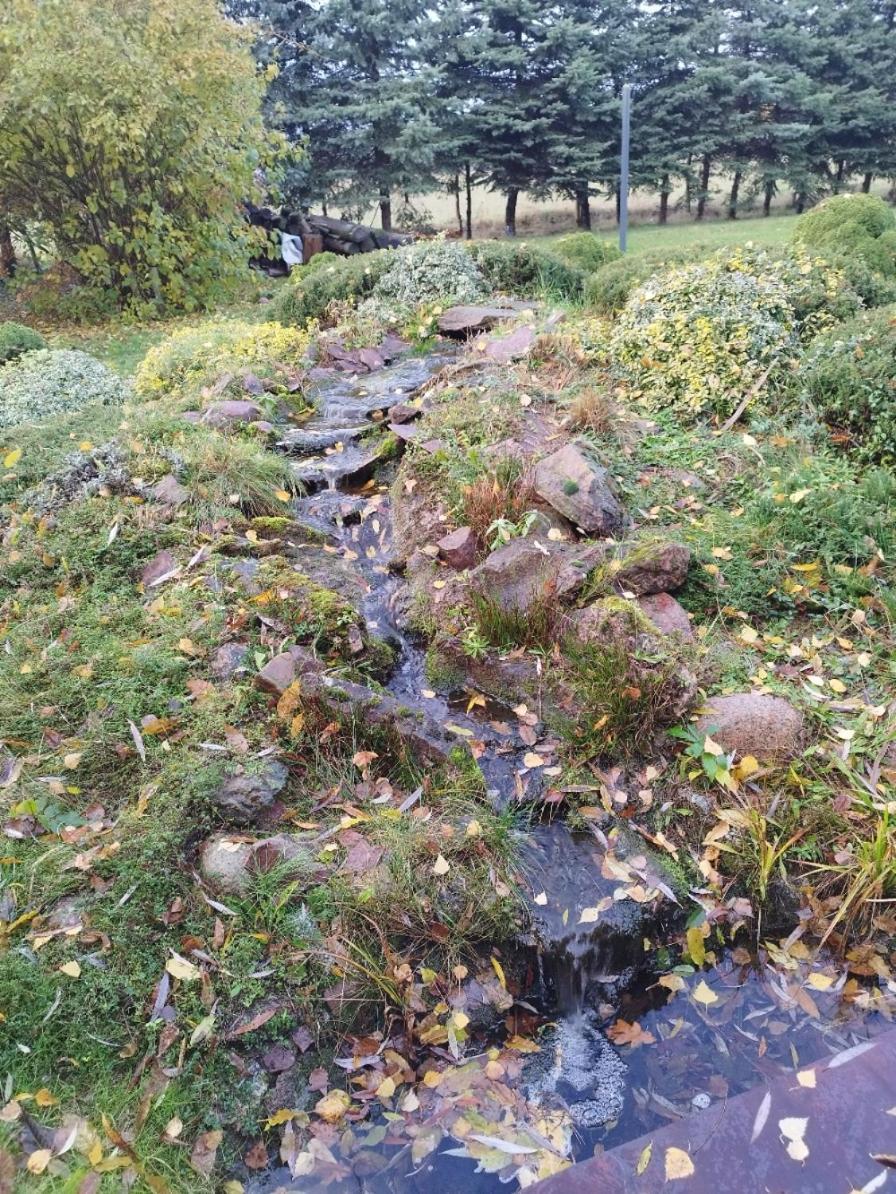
<point x="257" y="1156"/>
<point x="319" y="1079"/>
<point x="202" y="1158"/>
<point x="623" y="1033"/>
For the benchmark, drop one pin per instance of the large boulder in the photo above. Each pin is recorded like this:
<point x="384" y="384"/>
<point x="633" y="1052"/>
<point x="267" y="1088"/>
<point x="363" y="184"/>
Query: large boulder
<point x="753" y="723"/>
<point x="530" y="569"/>
<point x="656" y="566"/>
<point x="246" y="795"/>
<point x="579" y="489"/>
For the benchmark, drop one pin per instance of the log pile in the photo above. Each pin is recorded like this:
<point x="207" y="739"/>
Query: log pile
<point x="320" y="234"/>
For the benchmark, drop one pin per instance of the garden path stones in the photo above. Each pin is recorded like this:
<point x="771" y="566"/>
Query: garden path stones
<point x="752" y="723"/>
<point x="579" y="489"/>
<point x="656" y="567"/>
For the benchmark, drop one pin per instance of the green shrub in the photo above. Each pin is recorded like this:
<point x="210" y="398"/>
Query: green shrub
<point x="196" y="356"/>
<point x="434" y="271"/>
<point x="849" y="376"/>
<point x="518" y="269"/>
<point x="16" y="339"/>
<point x="348" y="279"/>
<point x="586" y="251"/>
<point x="861" y="226"/>
<point x="871" y="286"/>
<point x="318" y="261"/>
<point x="607" y="290"/>
<point x="45" y="382"/>
<point x="700" y="336"/>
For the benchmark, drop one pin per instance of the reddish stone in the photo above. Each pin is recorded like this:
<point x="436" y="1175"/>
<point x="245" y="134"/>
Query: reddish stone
<point x="667" y="615"/>
<point x="231" y="412"/>
<point x="277" y="674"/>
<point x="458" y="548"/>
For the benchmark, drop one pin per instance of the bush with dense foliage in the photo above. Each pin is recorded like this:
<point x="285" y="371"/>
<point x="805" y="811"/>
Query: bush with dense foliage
<point x="16" y="339"/>
<point x="49" y="382"/>
<point x="131" y="133"/>
<point x="862" y="226"/>
<point x="586" y="251"/>
<point x="307" y="295"/>
<point x="849" y="376"/>
<point x="701" y="336"/>
<point x="519" y="269"/>
<point x="196" y="356"/>
<point x="608" y="289"/>
<point x="434" y="271"/>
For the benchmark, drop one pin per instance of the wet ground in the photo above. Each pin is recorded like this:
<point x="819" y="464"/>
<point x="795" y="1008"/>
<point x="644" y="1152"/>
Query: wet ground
<point x="630" y="1039"/>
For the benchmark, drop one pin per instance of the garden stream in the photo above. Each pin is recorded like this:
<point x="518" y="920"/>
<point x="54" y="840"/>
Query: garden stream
<point x="757" y="1012"/>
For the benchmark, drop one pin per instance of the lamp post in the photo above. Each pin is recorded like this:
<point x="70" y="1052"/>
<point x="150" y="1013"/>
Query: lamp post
<point x="623" y="169"/>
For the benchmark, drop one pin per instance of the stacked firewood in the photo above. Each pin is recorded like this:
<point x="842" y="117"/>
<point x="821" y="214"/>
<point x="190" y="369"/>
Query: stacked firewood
<point x="322" y="233"/>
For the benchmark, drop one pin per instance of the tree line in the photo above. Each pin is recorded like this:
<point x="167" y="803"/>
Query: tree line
<point x="391" y="98"/>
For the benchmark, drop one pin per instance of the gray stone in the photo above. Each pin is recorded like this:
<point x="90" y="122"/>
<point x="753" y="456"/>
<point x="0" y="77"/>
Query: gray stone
<point x="504" y="349"/>
<point x="247" y="794"/>
<point x="458" y="548"/>
<point x="227" y="659"/>
<point x="170" y="492"/>
<point x="753" y="723"/>
<point x="579" y="489"/>
<point x="466" y="320"/>
<point x="653" y="567"/>
<point x="667" y="615"/>
<point x="277" y="674"/>
<point x="230" y="412"/>
<point x="160" y="565"/>
<point x="517" y="575"/>
<point x="230" y="862"/>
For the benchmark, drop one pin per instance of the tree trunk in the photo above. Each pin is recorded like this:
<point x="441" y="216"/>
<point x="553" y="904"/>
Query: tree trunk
<point x="457" y="211"/>
<point x="732" y="198"/>
<point x="583" y="209"/>
<point x="510" y="211"/>
<point x="385" y="209"/>
<point x="799" y="202"/>
<point x="688" y="187"/>
<point x="323" y="208"/>
<point x="468" y="186"/>
<point x="705" y="168"/>
<point x="7" y="253"/>
<point x="866" y="182"/>
<point x="767" y="198"/>
<point x="838" y="177"/>
<point x="664" y="199"/>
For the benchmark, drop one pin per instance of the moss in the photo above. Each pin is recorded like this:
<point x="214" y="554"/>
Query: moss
<point x="442" y="672"/>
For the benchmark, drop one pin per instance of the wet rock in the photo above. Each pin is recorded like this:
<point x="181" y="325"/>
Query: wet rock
<point x="227" y="659"/>
<point x="753" y="723"/>
<point x="170" y="492"/>
<point x="458" y="548"/>
<point x="160" y="565"/>
<point x="247" y="794"/>
<point x="469" y="319"/>
<point x="231" y="412"/>
<point x="356" y="463"/>
<point x="405" y="431"/>
<point x="654" y="567"/>
<point x="357" y="704"/>
<point x="667" y="615"/>
<point x="579" y="489"/>
<point x="404" y="412"/>
<point x="277" y="674"/>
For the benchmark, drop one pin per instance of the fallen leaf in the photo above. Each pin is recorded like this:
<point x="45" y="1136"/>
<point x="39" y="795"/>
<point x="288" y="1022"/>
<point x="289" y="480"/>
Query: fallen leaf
<point x="678" y="1164"/>
<point x="179" y="967"/>
<point x="202" y="1157"/>
<point x="644" y="1159"/>
<point x="793" y="1131"/>
<point x="333" y="1106"/>
<point x="624" y="1033"/>
<point x="705" y="994"/>
<point x="441" y="866"/>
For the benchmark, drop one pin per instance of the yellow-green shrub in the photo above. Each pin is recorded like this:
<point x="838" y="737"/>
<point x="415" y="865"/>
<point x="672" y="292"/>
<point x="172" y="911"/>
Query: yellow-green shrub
<point x="196" y="356"/>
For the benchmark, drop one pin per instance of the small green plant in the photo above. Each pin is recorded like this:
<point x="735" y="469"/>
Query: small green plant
<point x="502" y="530"/>
<point x="474" y="643"/>
<point x="586" y="251"/>
<point x="16" y="339"/>
<point x="707" y="754"/>
<point x="761" y="847"/>
<point x="50" y="382"/>
<point x="503" y="627"/>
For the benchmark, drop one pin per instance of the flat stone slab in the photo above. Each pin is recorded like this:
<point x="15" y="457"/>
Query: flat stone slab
<point x="469" y="319"/>
<point x="748" y="1145"/>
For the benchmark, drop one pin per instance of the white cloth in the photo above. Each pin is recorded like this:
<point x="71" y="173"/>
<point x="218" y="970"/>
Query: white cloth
<point x="291" y="249"/>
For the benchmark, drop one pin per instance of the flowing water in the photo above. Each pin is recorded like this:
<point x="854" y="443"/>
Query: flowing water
<point x="590" y="975"/>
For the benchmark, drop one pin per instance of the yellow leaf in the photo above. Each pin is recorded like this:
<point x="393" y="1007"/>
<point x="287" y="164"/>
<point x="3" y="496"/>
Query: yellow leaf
<point x="710" y="747"/>
<point x="189" y="647"/>
<point x="748" y="634"/>
<point x="11" y="459"/>
<point x="441" y="866"/>
<point x="793" y="1131"/>
<point x="837" y="686"/>
<point x="460" y="1020"/>
<point x="722" y="553"/>
<point x="282" y="496"/>
<point x="333" y="1106"/>
<point x="705" y="994"/>
<point x="72" y="969"/>
<point x="499" y="971"/>
<point x="85" y="446"/>
<point x="432" y="1078"/>
<point x="39" y="1160"/>
<point x="644" y="1159"/>
<point x="696" y="945"/>
<point x="179" y="967"/>
<point x="672" y="982"/>
<point x="819" y="982"/>
<point x="806" y="1078"/>
<point x="521" y="1044"/>
<point x="474" y="829"/>
<point x="798" y="494"/>
<point x="747" y="766"/>
<point x="71" y="761"/>
<point x="95" y="1155"/>
<point x="284" y="1115"/>
<point x="44" y="1098"/>
<point x="386" y="1089"/>
<point x="678" y="1164"/>
<point x="173" y="1128"/>
<point x="531" y="759"/>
